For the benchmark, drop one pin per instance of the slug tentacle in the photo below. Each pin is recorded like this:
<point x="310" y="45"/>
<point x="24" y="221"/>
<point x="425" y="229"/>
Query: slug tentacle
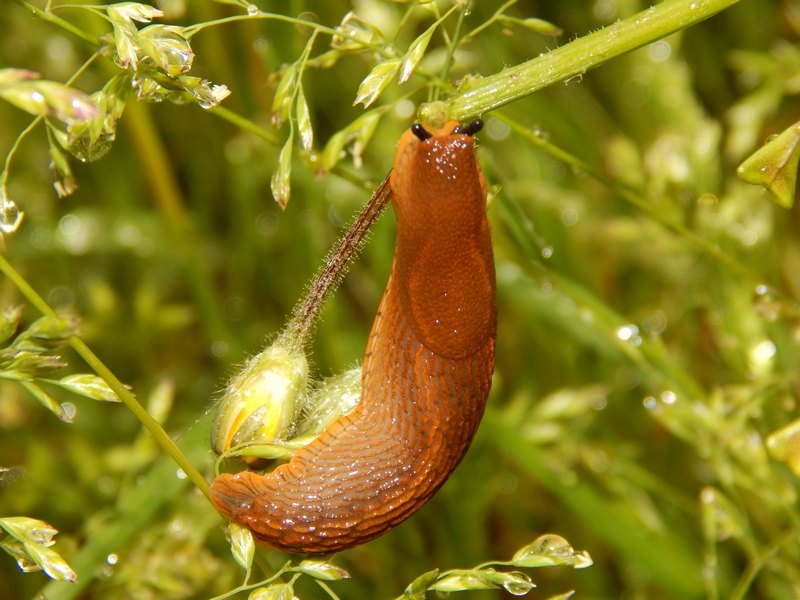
<point x="421" y="133"/>
<point x="426" y="376"/>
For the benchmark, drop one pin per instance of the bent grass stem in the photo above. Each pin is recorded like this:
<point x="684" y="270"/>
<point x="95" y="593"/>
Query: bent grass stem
<point x="163" y="439"/>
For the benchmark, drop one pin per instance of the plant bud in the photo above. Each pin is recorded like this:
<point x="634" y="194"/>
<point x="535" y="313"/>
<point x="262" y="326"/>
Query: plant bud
<point x="259" y="404"/>
<point x="333" y="398"/>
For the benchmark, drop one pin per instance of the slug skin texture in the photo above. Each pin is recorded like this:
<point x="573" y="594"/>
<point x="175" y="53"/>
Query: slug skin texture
<point x="426" y="376"/>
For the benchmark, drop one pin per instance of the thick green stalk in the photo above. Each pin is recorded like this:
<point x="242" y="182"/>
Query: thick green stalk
<point x="122" y="392"/>
<point x="478" y="95"/>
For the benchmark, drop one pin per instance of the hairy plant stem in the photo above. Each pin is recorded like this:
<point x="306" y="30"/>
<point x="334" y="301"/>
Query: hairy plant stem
<point x="478" y="95"/>
<point x="298" y="330"/>
<point x="98" y="367"/>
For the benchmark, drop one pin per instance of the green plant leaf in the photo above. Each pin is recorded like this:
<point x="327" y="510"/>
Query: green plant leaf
<point x="9" y="321"/>
<point x="784" y="445"/>
<point x="322" y="569"/>
<point x="49" y="98"/>
<point x="284" y="95"/>
<point x="280" y="591"/>
<point x="304" y="121"/>
<point x="47" y="401"/>
<point x="10" y="77"/>
<point x="537" y="25"/>
<point x="361" y="34"/>
<point x="32" y="549"/>
<point x="90" y="386"/>
<point x="53" y="329"/>
<point x="281" y="177"/>
<point x="774" y="166"/>
<point x="415" y="53"/>
<point x="417" y="588"/>
<point x="462" y="582"/>
<point x="358" y="133"/>
<point x="243" y="546"/>
<point x="377" y="81"/>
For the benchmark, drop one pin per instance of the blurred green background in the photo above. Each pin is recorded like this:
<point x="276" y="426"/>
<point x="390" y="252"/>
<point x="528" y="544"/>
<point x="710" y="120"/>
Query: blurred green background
<point x="645" y="352"/>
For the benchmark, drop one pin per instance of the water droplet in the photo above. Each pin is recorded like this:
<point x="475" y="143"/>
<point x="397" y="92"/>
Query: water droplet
<point x="569" y="216"/>
<point x="69" y="409"/>
<point x="649" y="402"/>
<point x="659" y="51"/>
<point x="627" y="332"/>
<point x="267" y="223"/>
<point x="505" y="482"/>
<point x="87" y="150"/>
<point x="669" y="397"/>
<point x="69" y="225"/>
<point x="605" y="10"/>
<point x="106" y="485"/>
<point x="78" y="234"/>
<point x="10" y="215"/>
<point x="552" y="545"/>
<point x="112" y="559"/>
<point x="763" y="352"/>
<point x="252" y="10"/>
<point x="749" y="237"/>
<point x="497" y="130"/>
<point x="547" y="252"/>
<point x="180" y="474"/>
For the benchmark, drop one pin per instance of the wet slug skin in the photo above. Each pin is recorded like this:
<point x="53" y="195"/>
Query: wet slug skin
<point x="426" y="376"/>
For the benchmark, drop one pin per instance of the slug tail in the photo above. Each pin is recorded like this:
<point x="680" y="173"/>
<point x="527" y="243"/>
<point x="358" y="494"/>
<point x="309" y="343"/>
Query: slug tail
<point x="234" y="494"/>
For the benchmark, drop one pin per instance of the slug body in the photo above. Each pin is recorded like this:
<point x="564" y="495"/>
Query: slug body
<point x="426" y="376"/>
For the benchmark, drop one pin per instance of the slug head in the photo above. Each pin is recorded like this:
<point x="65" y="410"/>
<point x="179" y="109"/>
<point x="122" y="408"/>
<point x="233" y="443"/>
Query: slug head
<point x="443" y="259"/>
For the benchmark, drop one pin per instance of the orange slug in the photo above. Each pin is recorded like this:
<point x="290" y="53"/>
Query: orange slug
<point x="426" y="376"/>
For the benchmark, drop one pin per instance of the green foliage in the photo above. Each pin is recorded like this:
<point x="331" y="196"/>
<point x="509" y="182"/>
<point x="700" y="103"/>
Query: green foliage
<point x="644" y="405"/>
<point x="29" y="542"/>
<point x="27" y="360"/>
<point x="774" y="166"/>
